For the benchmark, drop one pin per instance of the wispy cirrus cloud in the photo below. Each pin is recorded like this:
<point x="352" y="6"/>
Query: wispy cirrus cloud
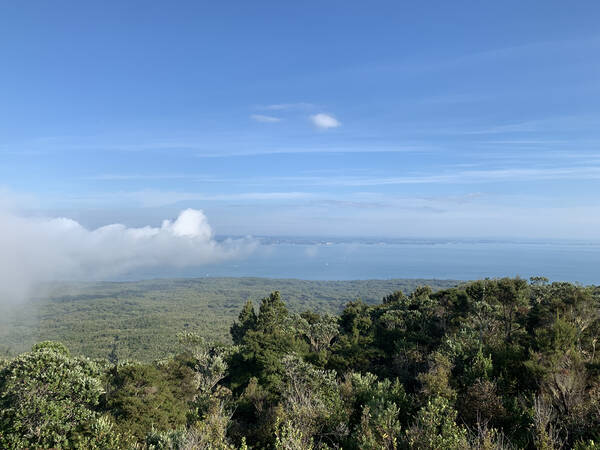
<point x="549" y="124"/>
<point x="454" y="177"/>
<point x="265" y="119"/>
<point x="149" y="177"/>
<point x="287" y="106"/>
<point x="155" y="198"/>
<point x="460" y="174"/>
<point x="286" y="150"/>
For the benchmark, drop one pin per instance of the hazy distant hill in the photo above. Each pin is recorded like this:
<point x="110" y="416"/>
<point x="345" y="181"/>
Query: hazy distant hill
<point x="143" y="317"/>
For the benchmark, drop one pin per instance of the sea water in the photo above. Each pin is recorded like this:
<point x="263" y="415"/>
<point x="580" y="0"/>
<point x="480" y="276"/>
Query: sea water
<point x="459" y="260"/>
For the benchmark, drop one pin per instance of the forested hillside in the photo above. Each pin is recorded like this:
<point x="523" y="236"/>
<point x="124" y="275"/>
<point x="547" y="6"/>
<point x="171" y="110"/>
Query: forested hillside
<point x="141" y="319"/>
<point x="492" y="364"/>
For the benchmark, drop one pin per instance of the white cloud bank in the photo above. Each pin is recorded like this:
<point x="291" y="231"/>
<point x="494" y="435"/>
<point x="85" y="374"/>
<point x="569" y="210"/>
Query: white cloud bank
<point x="324" y="121"/>
<point x="38" y="250"/>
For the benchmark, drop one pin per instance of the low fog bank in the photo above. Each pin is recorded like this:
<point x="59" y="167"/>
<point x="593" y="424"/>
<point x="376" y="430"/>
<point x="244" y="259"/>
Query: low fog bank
<point x="38" y="250"/>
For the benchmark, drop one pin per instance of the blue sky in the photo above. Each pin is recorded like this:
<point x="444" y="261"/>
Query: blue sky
<point x="333" y="118"/>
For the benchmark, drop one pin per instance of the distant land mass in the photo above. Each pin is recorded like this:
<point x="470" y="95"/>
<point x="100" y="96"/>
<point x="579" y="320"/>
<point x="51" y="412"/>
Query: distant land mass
<point x="140" y="319"/>
<point x="374" y="240"/>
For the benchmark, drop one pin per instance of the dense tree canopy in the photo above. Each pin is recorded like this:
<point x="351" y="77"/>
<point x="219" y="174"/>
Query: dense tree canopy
<point x="491" y="364"/>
